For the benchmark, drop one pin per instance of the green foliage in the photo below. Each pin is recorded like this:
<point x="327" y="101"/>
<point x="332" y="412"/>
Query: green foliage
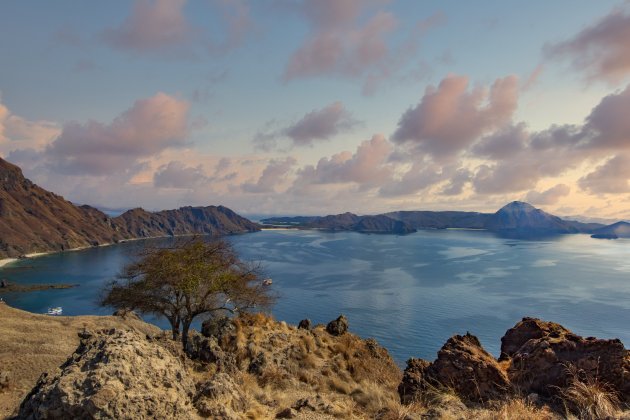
<point x="194" y="278"/>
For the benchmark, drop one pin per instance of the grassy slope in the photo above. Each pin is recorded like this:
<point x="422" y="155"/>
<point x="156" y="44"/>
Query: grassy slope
<point x="31" y="344"/>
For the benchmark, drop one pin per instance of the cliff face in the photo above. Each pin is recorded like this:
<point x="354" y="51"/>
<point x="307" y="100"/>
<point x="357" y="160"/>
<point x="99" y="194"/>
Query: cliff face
<point x="35" y="220"/>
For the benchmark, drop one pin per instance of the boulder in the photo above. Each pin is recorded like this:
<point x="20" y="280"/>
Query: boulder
<point x="114" y="374"/>
<point x="220" y="398"/>
<point x="555" y="357"/>
<point x="525" y="330"/>
<point x="338" y="326"/>
<point x="217" y="327"/>
<point x="305" y="324"/>
<point x="462" y="365"/>
<point x="4" y="283"/>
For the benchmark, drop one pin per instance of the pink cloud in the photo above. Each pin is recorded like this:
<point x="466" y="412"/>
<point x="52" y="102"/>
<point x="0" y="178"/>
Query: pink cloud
<point x="316" y="125"/>
<point x="602" y="49"/>
<point x="18" y="133"/>
<point x="367" y="166"/>
<point x="235" y="14"/>
<point x="550" y="196"/>
<point x="274" y="174"/>
<point x="351" y="39"/>
<point x="612" y="177"/>
<point x="451" y="117"/>
<point x="150" y="126"/>
<point x="321" y="124"/>
<point x="176" y="174"/>
<point x="608" y="125"/>
<point x="152" y="25"/>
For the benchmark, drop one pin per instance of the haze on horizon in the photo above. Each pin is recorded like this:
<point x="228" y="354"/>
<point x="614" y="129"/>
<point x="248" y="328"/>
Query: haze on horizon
<point x="318" y="107"/>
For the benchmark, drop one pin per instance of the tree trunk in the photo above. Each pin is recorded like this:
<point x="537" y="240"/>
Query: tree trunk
<point x="174" y="321"/>
<point x="185" y="328"/>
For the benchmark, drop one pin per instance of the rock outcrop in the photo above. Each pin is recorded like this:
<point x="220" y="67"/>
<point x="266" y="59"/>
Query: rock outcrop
<point x="550" y="358"/>
<point x="463" y="366"/>
<point x="338" y="326"/>
<point x="114" y="374"/>
<point x="538" y="358"/>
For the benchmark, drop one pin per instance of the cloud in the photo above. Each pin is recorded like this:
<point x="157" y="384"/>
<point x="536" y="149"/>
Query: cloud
<point x="235" y="14"/>
<point x="18" y="133"/>
<point x="273" y="175"/>
<point x="316" y="125"/>
<point x="612" y="177"/>
<point x="608" y="125"/>
<point x="601" y="50"/>
<point x="503" y="143"/>
<point x="451" y="117"/>
<point x="367" y="166"/>
<point x="419" y="177"/>
<point x="550" y="196"/>
<point x="150" y="126"/>
<point x="354" y="39"/>
<point x="176" y="174"/>
<point x="152" y="25"/>
<point x="321" y="124"/>
<point x="161" y="26"/>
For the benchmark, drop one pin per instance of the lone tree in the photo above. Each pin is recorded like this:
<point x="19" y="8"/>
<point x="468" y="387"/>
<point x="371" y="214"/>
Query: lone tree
<point x="188" y="280"/>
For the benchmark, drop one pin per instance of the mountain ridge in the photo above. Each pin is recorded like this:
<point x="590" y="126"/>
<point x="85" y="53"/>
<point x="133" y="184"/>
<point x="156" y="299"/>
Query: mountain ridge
<point x="33" y="219"/>
<point x="517" y="219"/>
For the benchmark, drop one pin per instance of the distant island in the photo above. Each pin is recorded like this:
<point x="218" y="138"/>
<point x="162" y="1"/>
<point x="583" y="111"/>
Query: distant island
<point x="34" y="220"/>
<point x="515" y="219"/>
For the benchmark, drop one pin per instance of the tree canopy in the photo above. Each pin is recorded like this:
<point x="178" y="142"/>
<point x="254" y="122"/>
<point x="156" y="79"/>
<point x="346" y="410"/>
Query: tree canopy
<point x="188" y="280"/>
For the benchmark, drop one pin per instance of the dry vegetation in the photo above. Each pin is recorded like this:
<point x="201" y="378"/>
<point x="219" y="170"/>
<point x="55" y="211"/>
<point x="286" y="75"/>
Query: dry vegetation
<point x="32" y="344"/>
<point x="274" y="366"/>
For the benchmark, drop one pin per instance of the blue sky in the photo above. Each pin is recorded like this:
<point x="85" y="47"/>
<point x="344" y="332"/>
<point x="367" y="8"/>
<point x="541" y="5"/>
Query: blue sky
<point x="288" y="106"/>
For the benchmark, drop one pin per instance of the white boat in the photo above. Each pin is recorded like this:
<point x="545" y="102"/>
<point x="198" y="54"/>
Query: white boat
<point x="267" y="282"/>
<point x="55" y="311"/>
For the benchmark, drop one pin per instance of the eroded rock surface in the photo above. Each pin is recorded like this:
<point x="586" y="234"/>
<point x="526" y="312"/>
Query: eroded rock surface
<point x="114" y="374"/>
<point x="554" y="357"/>
<point x="463" y="366"/>
<point x="538" y="358"/>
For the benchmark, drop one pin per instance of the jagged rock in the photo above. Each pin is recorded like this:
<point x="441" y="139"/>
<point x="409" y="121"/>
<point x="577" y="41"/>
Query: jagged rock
<point x="220" y="398"/>
<point x="287" y="413"/>
<point x="305" y="324"/>
<point x="338" y="326"/>
<point x="203" y="348"/>
<point x="114" y="374"/>
<point x="554" y="356"/>
<point x="462" y="365"/>
<point x="257" y="365"/>
<point x="4" y="283"/>
<point x="217" y="327"/>
<point x="528" y="329"/>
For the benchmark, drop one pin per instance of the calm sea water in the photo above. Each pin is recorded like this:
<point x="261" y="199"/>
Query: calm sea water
<point x="409" y="292"/>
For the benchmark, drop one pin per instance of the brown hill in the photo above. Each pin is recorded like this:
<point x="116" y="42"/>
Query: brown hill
<point x="35" y="220"/>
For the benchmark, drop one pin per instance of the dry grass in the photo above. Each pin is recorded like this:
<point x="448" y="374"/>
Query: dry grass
<point x="589" y="398"/>
<point x="31" y="344"/>
<point x="516" y="409"/>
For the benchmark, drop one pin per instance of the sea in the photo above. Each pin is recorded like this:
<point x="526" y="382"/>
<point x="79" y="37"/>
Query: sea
<point x="411" y="292"/>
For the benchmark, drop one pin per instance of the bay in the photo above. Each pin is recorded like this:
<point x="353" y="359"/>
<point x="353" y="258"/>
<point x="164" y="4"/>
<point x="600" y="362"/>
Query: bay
<point x="409" y="292"/>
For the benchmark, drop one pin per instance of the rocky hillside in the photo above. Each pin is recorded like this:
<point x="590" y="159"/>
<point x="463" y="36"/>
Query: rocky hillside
<point x="254" y="367"/>
<point x="35" y="220"/>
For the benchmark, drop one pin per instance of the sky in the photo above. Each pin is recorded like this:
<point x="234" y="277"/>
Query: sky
<point x="321" y="106"/>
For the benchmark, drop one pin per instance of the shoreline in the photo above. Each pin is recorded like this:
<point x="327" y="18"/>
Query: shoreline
<point x="5" y="261"/>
